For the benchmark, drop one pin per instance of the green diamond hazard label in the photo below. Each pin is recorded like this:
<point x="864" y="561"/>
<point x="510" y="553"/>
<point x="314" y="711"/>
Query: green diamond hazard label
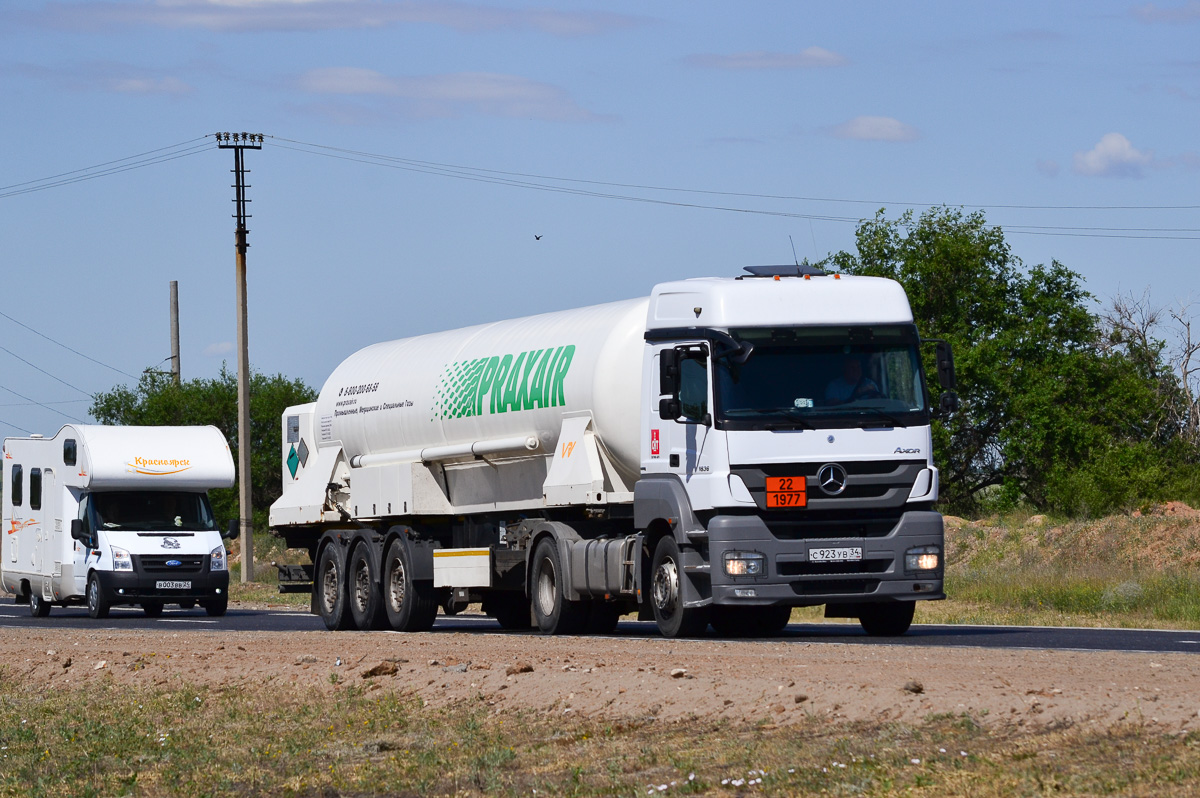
<point x="293" y="461"/>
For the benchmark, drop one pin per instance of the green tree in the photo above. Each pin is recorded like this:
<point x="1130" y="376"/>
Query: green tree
<point x="1051" y="412"/>
<point x="155" y="400"/>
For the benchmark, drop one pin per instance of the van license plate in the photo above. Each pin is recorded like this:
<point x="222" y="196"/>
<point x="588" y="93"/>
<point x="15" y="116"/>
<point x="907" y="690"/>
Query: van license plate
<point x="843" y="554"/>
<point x="165" y="584"/>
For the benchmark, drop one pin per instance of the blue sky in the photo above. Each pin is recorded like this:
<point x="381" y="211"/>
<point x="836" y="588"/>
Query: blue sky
<point x="726" y="116"/>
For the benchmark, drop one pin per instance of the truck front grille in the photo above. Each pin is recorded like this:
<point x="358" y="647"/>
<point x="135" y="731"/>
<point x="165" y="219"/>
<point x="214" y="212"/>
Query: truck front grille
<point x="834" y="587"/>
<point x="802" y="525"/>
<point x="832" y="568"/>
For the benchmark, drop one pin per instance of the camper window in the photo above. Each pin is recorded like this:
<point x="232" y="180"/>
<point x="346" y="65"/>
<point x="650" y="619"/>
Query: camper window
<point x="69" y="452"/>
<point x="17" y="496"/>
<point x="35" y="489"/>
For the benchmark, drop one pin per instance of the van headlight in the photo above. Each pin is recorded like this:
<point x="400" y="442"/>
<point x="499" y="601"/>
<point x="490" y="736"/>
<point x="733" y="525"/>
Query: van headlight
<point x="923" y="558"/>
<point x="744" y="563"/>
<point x="216" y="559"/>
<point x="121" y="560"/>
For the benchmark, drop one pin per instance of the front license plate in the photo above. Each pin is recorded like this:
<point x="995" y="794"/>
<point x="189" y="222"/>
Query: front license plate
<point x="165" y="584"/>
<point x="787" y="492"/>
<point x="842" y="554"/>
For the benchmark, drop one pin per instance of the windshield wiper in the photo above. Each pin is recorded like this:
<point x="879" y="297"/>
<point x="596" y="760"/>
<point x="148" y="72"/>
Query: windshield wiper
<point x="795" y="421"/>
<point x="895" y="422"/>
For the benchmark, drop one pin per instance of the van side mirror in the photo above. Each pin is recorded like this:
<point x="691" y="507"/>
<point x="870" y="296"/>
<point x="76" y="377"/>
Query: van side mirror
<point x="233" y="530"/>
<point x="78" y="532"/>
<point x="945" y="366"/>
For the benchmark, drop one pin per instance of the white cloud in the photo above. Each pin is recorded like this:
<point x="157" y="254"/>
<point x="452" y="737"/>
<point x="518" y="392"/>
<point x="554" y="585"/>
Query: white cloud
<point x="149" y="86"/>
<point x="1188" y="12"/>
<point x="1113" y="156"/>
<point x="486" y="93"/>
<point x="310" y="15"/>
<point x="876" y="128"/>
<point x="219" y="348"/>
<point x="760" y="59"/>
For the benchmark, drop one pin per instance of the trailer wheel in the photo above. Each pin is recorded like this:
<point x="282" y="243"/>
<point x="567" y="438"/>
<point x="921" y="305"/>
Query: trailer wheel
<point x="750" y="621"/>
<point x="97" y="606"/>
<point x="666" y="594"/>
<point x="330" y="587"/>
<point x="365" y="599"/>
<point x="410" y="605"/>
<point x="554" y="613"/>
<point x="511" y="610"/>
<point x="887" y="620"/>
<point x="38" y="606"/>
<point x="153" y="609"/>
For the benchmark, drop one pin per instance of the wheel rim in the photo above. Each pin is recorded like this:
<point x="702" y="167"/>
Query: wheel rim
<point x="546" y="584"/>
<point x="396" y="584"/>
<point x="329" y="587"/>
<point x="362" y="587"/>
<point x="93" y="595"/>
<point x="666" y="587"/>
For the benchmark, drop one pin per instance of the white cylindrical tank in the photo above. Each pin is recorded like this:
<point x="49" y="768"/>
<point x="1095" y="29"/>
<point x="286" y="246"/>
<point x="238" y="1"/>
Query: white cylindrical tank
<point x="496" y="381"/>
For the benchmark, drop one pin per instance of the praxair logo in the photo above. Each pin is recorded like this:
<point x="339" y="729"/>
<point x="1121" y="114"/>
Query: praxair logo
<point x="504" y="383"/>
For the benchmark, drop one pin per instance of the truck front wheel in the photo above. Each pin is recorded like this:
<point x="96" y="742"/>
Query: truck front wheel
<point x="554" y="612"/>
<point x="887" y="620"/>
<point x="411" y="606"/>
<point x="330" y="585"/>
<point x="97" y="606"/>
<point x="666" y="594"/>
<point x="365" y="598"/>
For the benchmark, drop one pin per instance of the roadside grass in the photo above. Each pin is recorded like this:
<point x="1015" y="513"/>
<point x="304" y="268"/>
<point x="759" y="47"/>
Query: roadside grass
<point x="367" y="740"/>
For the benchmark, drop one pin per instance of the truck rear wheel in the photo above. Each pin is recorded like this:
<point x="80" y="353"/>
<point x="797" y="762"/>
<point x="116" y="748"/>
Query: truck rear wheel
<point x="97" y="606"/>
<point x="887" y="620"/>
<point x="666" y="594"/>
<point x="330" y="586"/>
<point x="366" y="601"/>
<point x="554" y="613"/>
<point x="38" y="606"/>
<point x="411" y="606"/>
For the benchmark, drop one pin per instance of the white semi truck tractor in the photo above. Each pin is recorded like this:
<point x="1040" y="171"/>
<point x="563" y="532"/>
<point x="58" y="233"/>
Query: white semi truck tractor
<point x="718" y="453"/>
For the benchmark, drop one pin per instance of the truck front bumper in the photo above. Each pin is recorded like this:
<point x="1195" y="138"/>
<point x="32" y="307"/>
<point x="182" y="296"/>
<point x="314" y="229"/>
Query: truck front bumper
<point x="791" y="577"/>
<point x="125" y="587"/>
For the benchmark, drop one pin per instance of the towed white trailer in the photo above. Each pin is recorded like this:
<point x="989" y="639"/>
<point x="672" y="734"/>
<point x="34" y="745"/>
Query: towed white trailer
<point x="717" y="453"/>
<point x="103" y="516"/>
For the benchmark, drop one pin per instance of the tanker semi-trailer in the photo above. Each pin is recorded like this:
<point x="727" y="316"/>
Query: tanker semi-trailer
<point x="717" y="453"/>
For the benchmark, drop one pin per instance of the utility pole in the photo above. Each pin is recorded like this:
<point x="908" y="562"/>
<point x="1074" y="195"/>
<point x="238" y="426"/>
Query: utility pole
<point x="238" y="142"/>
<point x="175" y="372"/>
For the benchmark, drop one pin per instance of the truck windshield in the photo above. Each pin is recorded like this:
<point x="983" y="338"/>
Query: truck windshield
<point x="810" y="377"/>
<point x="149" y="511"/>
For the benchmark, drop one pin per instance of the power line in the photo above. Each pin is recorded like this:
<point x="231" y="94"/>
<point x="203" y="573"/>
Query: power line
<point x="14" y="426"/>
<point x="39" y="404"/>
<point x="99" y="165"/>
<point x="31" y="186"/>
<point x="43" y="404"/>
<point x="42" y="370"/>
<point x="64" y="346"/>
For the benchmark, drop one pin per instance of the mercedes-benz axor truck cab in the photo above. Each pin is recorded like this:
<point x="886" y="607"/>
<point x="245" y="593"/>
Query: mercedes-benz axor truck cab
<point x="106" y="515"/>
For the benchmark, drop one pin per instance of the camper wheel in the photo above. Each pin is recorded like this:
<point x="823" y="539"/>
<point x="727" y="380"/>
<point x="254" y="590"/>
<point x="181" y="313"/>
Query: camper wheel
<point x="38" y="606"/>
<point x="96" y="604"/>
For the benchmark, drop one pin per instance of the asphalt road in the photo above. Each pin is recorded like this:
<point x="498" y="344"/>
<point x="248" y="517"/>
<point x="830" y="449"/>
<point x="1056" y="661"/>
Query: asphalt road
<point x="17" y="617"/>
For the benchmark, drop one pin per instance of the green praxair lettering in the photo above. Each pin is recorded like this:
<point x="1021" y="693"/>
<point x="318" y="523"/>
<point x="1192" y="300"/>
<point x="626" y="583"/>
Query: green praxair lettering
<point x="503" y="383"/>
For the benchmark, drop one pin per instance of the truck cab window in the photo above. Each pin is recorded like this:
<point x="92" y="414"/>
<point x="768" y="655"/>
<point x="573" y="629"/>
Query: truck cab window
<point x="35" y="489"/>
<point x="693" y="387"/>
<point x="15" y="489"/>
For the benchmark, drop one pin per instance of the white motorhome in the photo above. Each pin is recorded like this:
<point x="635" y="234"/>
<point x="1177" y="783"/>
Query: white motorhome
<point x="103" y="516"/>
<point x="719" y="452"/>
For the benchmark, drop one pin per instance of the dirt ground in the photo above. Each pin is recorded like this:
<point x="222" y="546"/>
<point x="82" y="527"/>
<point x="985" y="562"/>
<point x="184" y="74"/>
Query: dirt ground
<point x="605" y="678"/>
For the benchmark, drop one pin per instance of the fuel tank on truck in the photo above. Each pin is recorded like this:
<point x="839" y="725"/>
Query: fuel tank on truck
<point x="494" y="381"/>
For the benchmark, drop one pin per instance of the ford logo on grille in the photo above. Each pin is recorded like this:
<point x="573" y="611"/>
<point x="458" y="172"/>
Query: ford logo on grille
<point x="174" y="563"/>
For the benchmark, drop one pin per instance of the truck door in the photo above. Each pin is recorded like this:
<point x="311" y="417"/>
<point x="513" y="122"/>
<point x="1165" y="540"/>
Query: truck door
<point x="683" y="439"/>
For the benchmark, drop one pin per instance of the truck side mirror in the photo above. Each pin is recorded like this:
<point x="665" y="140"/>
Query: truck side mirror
<point x="949" y="402"/>
<point x="669" y="408"/>
<point x="233" y="530"/>
<point x="945" y="366"/>
<point x="668" y="373"/>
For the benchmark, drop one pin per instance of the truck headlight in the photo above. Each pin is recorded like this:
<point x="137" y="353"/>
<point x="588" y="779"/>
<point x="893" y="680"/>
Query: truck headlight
<point x="745" y="563"/>
<point x="121" y="560"/>
<point x="923" y="558"/>
<point x="216" y="559"/>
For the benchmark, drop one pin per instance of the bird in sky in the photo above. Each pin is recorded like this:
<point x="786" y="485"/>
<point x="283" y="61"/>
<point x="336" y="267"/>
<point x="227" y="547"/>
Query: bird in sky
<point x="537" y="237"/>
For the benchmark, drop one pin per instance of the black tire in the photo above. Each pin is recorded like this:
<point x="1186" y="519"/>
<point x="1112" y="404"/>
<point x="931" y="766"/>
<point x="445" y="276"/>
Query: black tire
<point x="153" y="609"/>
<point x="511" y="610"/>
<point x="749" y="621"/>
<point x="366" y="600"/>
<point x="666" y="594"/>
<point x="217" y="607"/>
<point x="887" y="620"/>
<point x="38" y="606"/>
<point x="602" y="617"/>
<point x="330" y="588"/>
<point x="96" y="604"/>
<point x="409" y="605"/>
<point x="187" y="605"/>
<point x="552" y="611"/>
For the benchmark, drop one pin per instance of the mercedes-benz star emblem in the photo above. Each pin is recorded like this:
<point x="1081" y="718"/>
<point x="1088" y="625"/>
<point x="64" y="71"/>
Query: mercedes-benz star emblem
<point x="832" y="479"/>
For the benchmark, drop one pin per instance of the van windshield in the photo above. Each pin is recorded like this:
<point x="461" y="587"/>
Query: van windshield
<point x="150" y="510"/>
